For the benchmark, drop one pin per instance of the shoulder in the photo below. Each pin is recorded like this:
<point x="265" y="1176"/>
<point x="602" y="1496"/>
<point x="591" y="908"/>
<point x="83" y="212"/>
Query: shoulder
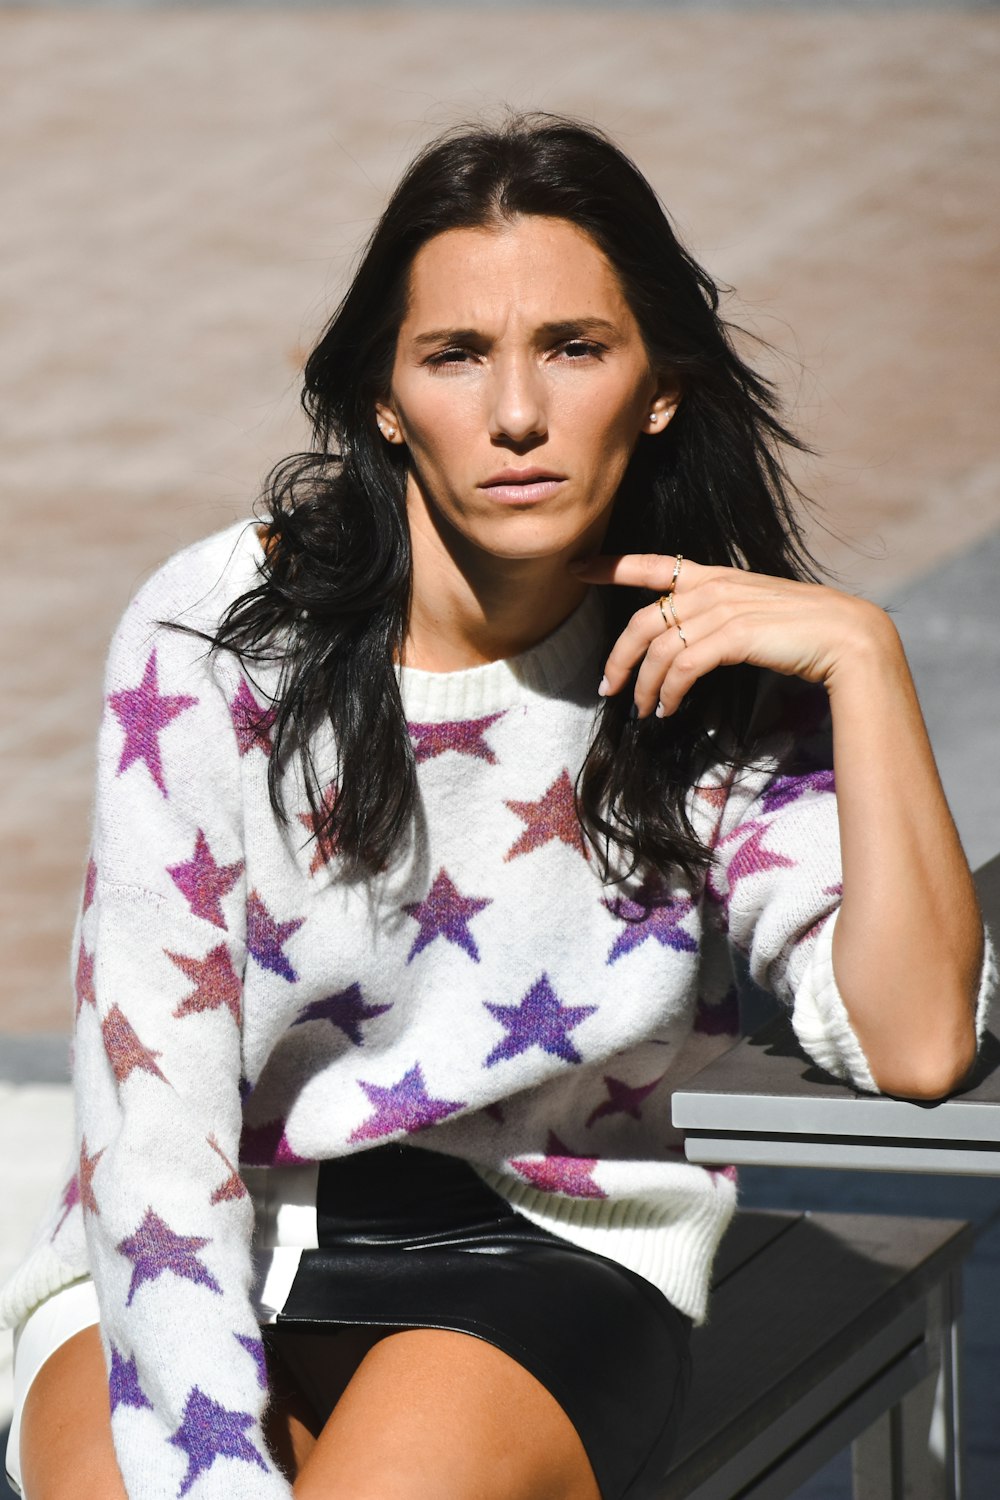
<point x="196" y="585"/>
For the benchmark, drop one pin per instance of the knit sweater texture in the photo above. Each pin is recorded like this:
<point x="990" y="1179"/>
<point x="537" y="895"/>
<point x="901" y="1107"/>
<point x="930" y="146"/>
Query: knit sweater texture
<point x="243" y="1009"/>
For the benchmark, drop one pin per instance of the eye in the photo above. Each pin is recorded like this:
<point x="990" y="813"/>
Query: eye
<point x="444" y="357"/>
<point x="581" y="349"/>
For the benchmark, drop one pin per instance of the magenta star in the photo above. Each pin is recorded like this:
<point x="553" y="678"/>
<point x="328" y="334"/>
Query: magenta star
<point x="464" y="736"/>
<point x="541" y="1020"/>
<point x="646" y="919"/>
<point x="266" y="937"/>
<point x="252" y="722"/>
<point x="209" y="1431"/>
<point x="785" y="789"/>
<point x="345" y="1010"/>
<point x="84" y="981"/>
<point x="70" y="1198"/>
<point x="623" y="1098"/>
<point x="89" y="884"/>
<point x="749" y="859"/>
<point x="559" y="1171"/>
<point x="123" y="1383"/>
<point x="405" y="1105"/>
<point x="553" y="816"/>
<point x="215" y="981"/>
<point x="155" y="1248"/>
<point x="445" y="912"/>
<point x="720" y="1019"/>
<point x="255" y="1349"/>
<point x="234" y="1187"/>
<point x="143" y="712"/>
<point x="203" y="883"/>
<point x="125" y="1051"/>
<point x="267" y="1146"/>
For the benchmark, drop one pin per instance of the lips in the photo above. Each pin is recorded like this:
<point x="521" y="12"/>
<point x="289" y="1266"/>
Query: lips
<point x="523" y="486"/>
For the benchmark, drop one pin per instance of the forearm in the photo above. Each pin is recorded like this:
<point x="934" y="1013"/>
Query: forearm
<point x="907" y="949"/>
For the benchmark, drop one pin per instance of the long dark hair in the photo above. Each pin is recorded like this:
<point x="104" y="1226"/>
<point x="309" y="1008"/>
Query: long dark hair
<point x="333" y="598"/>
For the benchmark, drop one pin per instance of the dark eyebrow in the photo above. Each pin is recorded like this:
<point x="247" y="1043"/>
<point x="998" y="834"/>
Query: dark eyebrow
<point x="565" y="328"/>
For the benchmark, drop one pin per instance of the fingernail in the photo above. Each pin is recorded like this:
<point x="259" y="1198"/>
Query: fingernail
<point x="603" y="688"/>
<point x="661" y="712"/>
<point x="633" y="712"/>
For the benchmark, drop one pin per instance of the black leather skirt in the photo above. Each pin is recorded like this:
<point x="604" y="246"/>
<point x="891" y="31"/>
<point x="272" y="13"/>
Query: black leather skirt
<point x="409" y="1238"/>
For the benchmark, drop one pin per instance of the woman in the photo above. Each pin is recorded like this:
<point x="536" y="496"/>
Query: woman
<point x="423" y="869"/>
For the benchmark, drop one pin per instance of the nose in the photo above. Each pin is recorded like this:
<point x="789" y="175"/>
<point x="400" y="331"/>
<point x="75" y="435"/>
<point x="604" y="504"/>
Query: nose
<point x="517" y="401"/>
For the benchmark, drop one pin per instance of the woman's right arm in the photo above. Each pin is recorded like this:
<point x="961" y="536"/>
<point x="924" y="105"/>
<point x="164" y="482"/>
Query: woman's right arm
<point x="158" y="1070"/>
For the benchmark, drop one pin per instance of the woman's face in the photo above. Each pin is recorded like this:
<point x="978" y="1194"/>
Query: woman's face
<point x="520" y="387"/>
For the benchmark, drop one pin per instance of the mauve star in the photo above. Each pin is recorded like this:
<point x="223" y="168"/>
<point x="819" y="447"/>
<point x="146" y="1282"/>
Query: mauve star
<point x="143" y="712"/>
<point x="624" y="1098"/>
<point x="89" y="884"/>
<point x="464" y="736"/>
<point x="88" y="1165"/>
<point x="721" y="1019"/>
<point x="84" y="981"/>
<point x="70" y="1198"/>
<point x="553" y="816"/>
<point x="326" y="843"/>
<point x="125" y="1051"/>
<point x="155" y="1248"/>
<point x="785" y="789"/>
<point x="203" y="883"/>
<point x="215" y="981"/>
<point x="345" y="1010"/>
<point x="445" y="912"/>
<point x="561" y="1172"/>
<point x="405" y="1105"/>
<point x="266" y="937"/>
<point x="750" y="859"/>
<point x="267" y="1146"/>
<point x="209" y="1431"/>
<point x="234" y="1187"/>
<point x="255" y="1349"/>
<point x="123" y="1384"/>
<point x="715" y="796"/>
<point x="540" y="1020"/>
<point x="252" y="722"/>
<point x="644" y="919"/>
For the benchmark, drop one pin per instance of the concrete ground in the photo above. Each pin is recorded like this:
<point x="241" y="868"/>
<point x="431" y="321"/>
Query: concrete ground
<point x="184" y="192"/>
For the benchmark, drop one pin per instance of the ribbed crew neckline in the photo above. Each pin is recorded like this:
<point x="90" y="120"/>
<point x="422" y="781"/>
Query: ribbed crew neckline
<point x="571" y="651"/>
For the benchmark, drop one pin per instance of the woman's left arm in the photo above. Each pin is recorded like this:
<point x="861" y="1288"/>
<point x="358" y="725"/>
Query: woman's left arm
<point x="908" y="944"/>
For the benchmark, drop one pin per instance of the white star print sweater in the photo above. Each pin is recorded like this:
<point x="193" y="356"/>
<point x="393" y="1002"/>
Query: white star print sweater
<point x="238" y="1001"/>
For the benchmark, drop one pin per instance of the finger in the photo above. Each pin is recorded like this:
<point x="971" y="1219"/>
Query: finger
<point x="645" y="626"/>
<point x="718" y="639"/>
<point x="655" y="668"/>
<point x="641" y="570"/>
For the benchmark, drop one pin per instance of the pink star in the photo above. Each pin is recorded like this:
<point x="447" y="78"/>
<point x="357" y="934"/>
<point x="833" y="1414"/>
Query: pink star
<point x="650" y="917"/>
<point x="143" y="712"/>
<point x="203" y="883"/>
<point x="88" y="1165"/>
<point x="266" y="937"/>
<point x="749" y="859"/>
<point x="267" y="1146"/>
<point x="623" y="1098"/>
<point x="234" y="1187"/>
<point x="561" y="1172"/>
<point x="215" y="983"/>
<point x="553" y="816"/>
<point x="252" y="723"/>
<point x="125" y="1051"/>
<point x="405" y="1105"/>
<point x="84" y="983"/>
<point x="326" y="842"/>
<point x="89" y="884"/>
<point x="70" y="1198"/>
<point x="464" y="736"/>
<point x="445" y="912"/>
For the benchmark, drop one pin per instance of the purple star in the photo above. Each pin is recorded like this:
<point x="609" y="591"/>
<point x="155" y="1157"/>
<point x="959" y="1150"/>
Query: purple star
<point x="559" y="1171"/>
<point x="623" y="1098"/>
<point x="405" y="1105"/>
<point x="123" y="1383"/>
<point x="785" y="789"/>
<point x="265" y="938"/>
<point x="155" y="1248"/>
<point x="345" y="1010"/>
<point x="464" y="736"/>
<point x="540" y="1020"/>
<point x="252" y="722"/>
<point x="444" y="912"/>
<point x="255" y="1349"/>
<point x="203" y="883"/>
<point x="750" y="859"/>
<point x="267" y="1146"/>
<point x="143" y="712"/>
<point x="650" y="918"/>
<point x="721" y="1019"/>
<point x="209" y="1431"/>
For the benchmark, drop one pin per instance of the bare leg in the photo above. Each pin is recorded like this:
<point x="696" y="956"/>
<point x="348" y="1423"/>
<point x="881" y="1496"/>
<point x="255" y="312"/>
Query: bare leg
<point x="66" y="1447"/>
<point x="436" y="1415"/>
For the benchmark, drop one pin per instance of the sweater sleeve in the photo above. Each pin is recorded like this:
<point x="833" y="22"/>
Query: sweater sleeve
<point x="157" y="1073"/>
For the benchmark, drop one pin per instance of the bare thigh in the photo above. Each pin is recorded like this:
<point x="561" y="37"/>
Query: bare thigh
<point x="66" y="1447"/>
<point x="431" y="1414"/>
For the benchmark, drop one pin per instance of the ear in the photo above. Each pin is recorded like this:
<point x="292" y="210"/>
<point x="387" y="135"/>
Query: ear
<point x="661" y="410"/>
<point x="388" y="423"/>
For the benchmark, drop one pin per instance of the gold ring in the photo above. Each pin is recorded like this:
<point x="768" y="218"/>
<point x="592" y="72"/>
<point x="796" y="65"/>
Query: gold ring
<point x="668" y="623"/>
<point x="677" y="572"/>
<point x="673" y="611"/>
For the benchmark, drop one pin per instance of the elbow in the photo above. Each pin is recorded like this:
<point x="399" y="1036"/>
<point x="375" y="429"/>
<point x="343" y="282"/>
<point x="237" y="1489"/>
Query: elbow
<point x="931" y="1076"/>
